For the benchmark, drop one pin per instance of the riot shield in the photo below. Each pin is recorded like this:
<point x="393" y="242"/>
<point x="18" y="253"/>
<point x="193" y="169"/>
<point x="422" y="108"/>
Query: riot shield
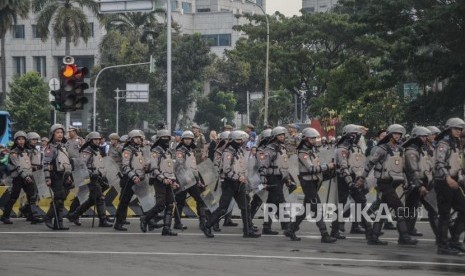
<point x="294" y="169"/>
<point x="145" y="194"/>
<point x="328" y="191"/>
<point x="113" y="171"/>
<point x="253" y="175"/>
<point x="185" y="177"/>
<point x="80" y="173"/>
<point x="211" y="198"/>
<point x="82" y="193"/>
<point x="208" y="172"/>
<point x="42" y="188"/>
<point x="431" y="199"/>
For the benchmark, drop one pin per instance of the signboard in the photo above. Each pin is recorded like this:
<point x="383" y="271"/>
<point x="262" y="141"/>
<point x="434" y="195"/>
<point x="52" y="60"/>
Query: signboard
<point x="256" y="95"/>
<point x="137" y="92"/>
<point x="411" y="91"/>
<point x="121" y="6"/>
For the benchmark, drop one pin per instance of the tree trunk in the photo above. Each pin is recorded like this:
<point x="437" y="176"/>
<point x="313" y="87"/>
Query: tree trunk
<point x="3" y="69"/>
<point x="68" y="46"/>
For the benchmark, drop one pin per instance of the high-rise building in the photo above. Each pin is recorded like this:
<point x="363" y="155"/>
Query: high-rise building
<point x="313" y="6"/>
<point x="213" y="19"/>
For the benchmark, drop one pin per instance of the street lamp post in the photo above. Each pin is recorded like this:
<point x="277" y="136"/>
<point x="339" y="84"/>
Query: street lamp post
<point x="265" y="116"/>
<point x="168" y="66"/>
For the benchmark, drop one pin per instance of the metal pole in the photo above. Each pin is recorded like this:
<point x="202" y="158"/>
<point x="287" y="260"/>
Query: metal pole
<point x="295" y="108"/>
<point x="168" y="67"/>
<point x="54" y="116"/>
<point x="94" y="100"/>
<point x="265" y="116"/>
<point x="117" y="110"/>
<point x="67" y="120"/>
<point x="248" y="107"/>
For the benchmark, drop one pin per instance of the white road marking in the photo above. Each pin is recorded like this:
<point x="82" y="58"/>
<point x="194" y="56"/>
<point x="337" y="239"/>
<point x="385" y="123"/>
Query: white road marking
<point x="374" y="261"/>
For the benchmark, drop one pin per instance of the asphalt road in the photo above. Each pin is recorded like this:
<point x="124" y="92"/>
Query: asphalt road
<point x="34" y="250"/>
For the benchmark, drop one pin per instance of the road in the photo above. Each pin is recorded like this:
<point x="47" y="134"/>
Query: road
<point x="34" y="250"/>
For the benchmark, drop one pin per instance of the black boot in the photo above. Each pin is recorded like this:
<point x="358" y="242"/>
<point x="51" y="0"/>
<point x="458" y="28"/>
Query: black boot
<point x="143" y="224"/>
<point x="119" y="227"/>
<point x="455" y="236"/>
<point x="73" y="218"/>
<point x="267" y="229"/>
<point x="357" y="229"/>
<point x="6" y="220"/>
<point x="290" y="233"/>
<point x="153" y="223"/>
<point x="216" y="227"/>
<point x="326" y="238"/>
<point x="207" y="230"/>
<point x="60" y="206"/>
<point x="404" y="237"/>
<point x="412" y="231"/>
<point x="167" y="225"/>
<point x="228" y="221"/>
<point x="433" y="222"/>
<point x="103" y="222"/>
<point x="248" y="233"/>
<point x="372" y="235"/>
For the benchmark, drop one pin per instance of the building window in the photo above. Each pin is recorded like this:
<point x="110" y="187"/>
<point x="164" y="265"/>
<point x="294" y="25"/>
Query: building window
<point x="40" y="65"/>
<point x="204" y="10"/>
<point x="309" y="10"/>
<point x="18" y="31"/>
<point x="35" y="33"/>
<point x="91" y="29"/>
<point x="218" y="39"/>
<point x="20" y="65"/>
<point x="174" y="5"/>
<point x="186" y="7"/>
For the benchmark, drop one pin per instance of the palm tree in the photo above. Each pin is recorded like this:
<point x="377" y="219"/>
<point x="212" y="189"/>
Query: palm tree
<point x="67" y="19"/>
<point x="143" y="26"/>
<point x="9" y="12"/>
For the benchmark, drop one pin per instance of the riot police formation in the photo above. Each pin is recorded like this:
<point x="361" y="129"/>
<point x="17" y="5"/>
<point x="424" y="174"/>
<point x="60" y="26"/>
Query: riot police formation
<point x="310" y="176"/>
<point x="428" y="166"/>
<point x="90" y="155"/>
<point x="388" y="164"/>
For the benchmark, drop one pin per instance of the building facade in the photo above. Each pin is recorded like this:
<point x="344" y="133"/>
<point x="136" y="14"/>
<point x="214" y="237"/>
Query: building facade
<point x="313" y="6"/>
<point x="25" y="51"/>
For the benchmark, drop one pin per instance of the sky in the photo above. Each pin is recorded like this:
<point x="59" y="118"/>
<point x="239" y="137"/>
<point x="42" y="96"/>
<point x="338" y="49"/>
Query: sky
<point x="286" y="7"/>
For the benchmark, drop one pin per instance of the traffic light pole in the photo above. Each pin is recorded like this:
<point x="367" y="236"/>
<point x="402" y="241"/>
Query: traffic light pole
<point x="94" y="100"/>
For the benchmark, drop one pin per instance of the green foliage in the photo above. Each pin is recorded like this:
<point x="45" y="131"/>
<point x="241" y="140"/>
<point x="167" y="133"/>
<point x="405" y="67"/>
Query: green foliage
<point x="28" y="103"/>
<point x="215" y="106"/>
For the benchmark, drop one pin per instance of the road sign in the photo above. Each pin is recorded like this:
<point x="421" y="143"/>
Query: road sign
<point x="54" y="84"/>
<point x="121" y="6"/>
<point x="137" y="92"/>
<point x="256" y="95"/>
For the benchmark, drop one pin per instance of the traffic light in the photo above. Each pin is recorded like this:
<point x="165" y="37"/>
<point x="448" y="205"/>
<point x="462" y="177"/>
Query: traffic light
<point x="72" y="85"/>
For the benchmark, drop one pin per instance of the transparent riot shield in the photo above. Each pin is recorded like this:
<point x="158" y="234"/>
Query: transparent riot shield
<point x="185" y="177"/>
<point x="82" y="193"/>
<point x="80" y="173"/>
<point x="208" y="172"/>
<point x="113" y="171"/>
<point x="294" y="169"/>
<point x="42" y="188"/>
<point x="145" y="194"/>
<point x="253" y="175"/>
<point x="431" y="199"/>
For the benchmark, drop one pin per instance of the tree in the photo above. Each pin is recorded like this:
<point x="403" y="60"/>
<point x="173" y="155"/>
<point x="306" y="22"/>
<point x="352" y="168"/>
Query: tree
<point x="215" y="106"/>
<point x="9" y="12"/>
<point x="67" y="18"/>
<point x="28" y="103"/>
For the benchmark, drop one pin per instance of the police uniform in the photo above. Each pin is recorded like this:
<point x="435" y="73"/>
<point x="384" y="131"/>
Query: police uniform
<point x="274" y="171"/>
<point x="449" y="162"/>
<point x="57" y="168"/>
<point x="133" y="166"/>
<point x="388" y="164"/>
<point x="199" y="150"/>
<point x="233" y="168"/>
<point x="162" y="166"/>
<point x="185" y="157"/>
<point x="91" y="156"/>
<point x="310" y="176"/>
<point x="291" y="144"/>
<point x="116" y="153"/>
<point x="21" y="171"/>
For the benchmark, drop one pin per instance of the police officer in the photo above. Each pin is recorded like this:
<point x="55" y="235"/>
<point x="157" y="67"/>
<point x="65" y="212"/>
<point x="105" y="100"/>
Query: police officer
<point x="234" y="170"/>
<point x="388" y="164"/>
<point x="419" y="172"/>
<point x="164" y="181"/>
<point x="21" y="172"/>
<point x="431" y="141"/>
<point x="185" y="157"/>
<point x="57" y="170"/>
<point x="265" y="137"/>
<point x="350" y="161"/>
<point x="90" y="154"/>
<point x="72" y="145"/>
<point x="274" y="172"/>
<point x="448" y="178"/>
<point x="292" y="140"/>
<point x="310" y="176"/>
<point x="133" y="170"/>
<point x="116" y="149"/>
<point x="200" y="142"/>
